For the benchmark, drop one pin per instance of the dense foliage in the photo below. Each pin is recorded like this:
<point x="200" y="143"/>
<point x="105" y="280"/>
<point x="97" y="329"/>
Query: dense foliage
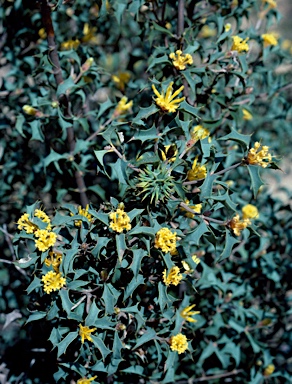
<point x="134" y="138"/>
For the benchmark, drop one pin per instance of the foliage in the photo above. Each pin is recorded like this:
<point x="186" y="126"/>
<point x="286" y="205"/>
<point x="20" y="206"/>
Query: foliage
<point x="159" y="116"/>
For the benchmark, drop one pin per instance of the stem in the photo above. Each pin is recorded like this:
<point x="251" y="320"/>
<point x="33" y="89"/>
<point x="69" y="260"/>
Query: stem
<point x="123" y="158"/>
<point x="53" y="54"/>
<point x="216" y="174"/>
<point x="101" y="128"/>
<point x="180" y="22"/>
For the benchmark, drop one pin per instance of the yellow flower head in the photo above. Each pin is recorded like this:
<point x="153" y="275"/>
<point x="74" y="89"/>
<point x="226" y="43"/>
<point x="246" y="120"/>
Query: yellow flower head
<point x="197" y="172"/>
<point x="271" y="3"/>
<point x="70" y="44"/>
<point x="239" y="44"/>
<point x="53" y="281"/>
<point x="83" y="212"/>
<point x="165" y="240"/>
<point x="86" y="381"/>
<point x="121" y="79"/>
<point x="269" y="370"/>
<point x="89" y="34"/>
<point x="123" y="106"/>
<point x="187" y="312"/>
<point x="84" y="333"/>
<point x="269" y="39"/>
<point x="179" y="60"/>
<point x="200" y="133"/>
<point x="227" y="27"/>
<point x="179" y="343"/>
<point x="249" y="211"/>
<point x="170" y="152"/>
<point x="29" y="110"/>
<point x="197" y="208"/>
<point x="25" y="224"/>
<point x="167" y="102"/>
<point x="174" y="277"/>
<point x="42" y="216"/>
<point x="54" y="259"/>
<point x="45" y="239"/>
<point x="207" y="31"/>
<point x="120" y="221"/>
<point x="246" y="114"/>
<point x="42" y="33"/>
<point x="238" y="225"/>
<point x="259" y="155"/>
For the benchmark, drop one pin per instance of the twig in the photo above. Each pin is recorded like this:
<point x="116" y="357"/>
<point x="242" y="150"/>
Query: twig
<point x="213" y="377"/>
<point x="53" y="53"/>
<point x="78" y="302"/>
<point x="101" y="128"/>
<point x="114" y="149"/>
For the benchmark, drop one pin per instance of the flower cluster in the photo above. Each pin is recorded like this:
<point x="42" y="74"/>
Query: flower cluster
<point x="123" y="106"/>
<point x="180" y="60"/>
<point x="269" y="39"/>
<point x="239" y="44"/>
<point x="259" y="155"/>
<point x="121" y="79"/>
<point x="53" y="281"/>
<point x="54" y="259"/>
<point x="197" y="172"/>
<point x="246" y="115"/>
<point x="170" y="152"/>
<point x="120" y="221"/>
<point x="187" y="312"/>
<point x="85" y="333"/>
<point x="197" y="208"/>
<point x="86" y="381"/>
<point x="173" y="278"/>
<point x="272" y="3"/>
<point x="83" y="212"/>
<point x="167" y="102"/>
<point x="165" y="240"/>
<point x="269" y="370"/>
<point x="179" y="343"/>
<point x="45" y="238"/>
<point x="199" y="133"/>
<point x="249" y="212"/>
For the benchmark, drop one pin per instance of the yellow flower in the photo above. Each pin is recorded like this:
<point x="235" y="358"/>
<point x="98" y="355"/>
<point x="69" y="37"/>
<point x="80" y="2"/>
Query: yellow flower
<point x="239" y="44"/>
<point x="179" y="60"/>
<point x="84" y="333"/>
<point x="166" y="102"/>
<point x="272" y="3"/>
<point x="165" y="240"/>
<point x="42" y="216"/>
<point x="227" y="27"/>
<point x="70" y="44"/>
<point x="89" y="34"/>
<point x="187" y="312"/>
<point x="42" y="33"/>
<point x="86" y="381"/>
<point x="246" y="114"/>
<point x="197" y="208"/>
<point x="269" y="39"/>
<point x="29" y="110"/>
<point x="53" y="281"/>
<point x="238" y="225"/>
<point x="179" y="343"/>
<point x="83" y="212"/>
<point x="174" y="277"/>
<point x="259" y="155"/>
<point x="200" y="133"/>
<point x="88" y="63"/>
<point x="196" y="259"/>
<point x="25" y="224"/>
<point x="121" y="79"/>
<point x="269" y="370"/>
<point x="120" y="221"/>
<point x="45" y="239"/>
<point x="197" y="172"/>
<point x="169" y="153"/>
<point x="123" y="106"/>
<point x="54" y="259"/>
<point x="249" y="211"/>
<point x="207" y="31"/>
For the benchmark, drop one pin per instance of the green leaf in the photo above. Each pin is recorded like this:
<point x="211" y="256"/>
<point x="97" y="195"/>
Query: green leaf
<point x="97" y="341"/>
<point x="101" y="243"/>
<point x="101" y="216"/>
<point x="135" y="369"/>
<point x="141" y="230"/>
<point x="36" y="283"/>
<point x="163" y="299"/>
<point x="195" y="236"/>
<point x="230" y="241"/>
<point x="63" y="345"/>
<point x="54" y="157"/>
<point x="66" y="302"/>
<point x="157" y="60"/>
<point x="92" y="315"/>
<point x="161" y="29"/>
<point x="19" y="124"/>
<point x="67" y="264"/>
<point x="144" y="113"/>
<point x="147" y="134"/>
<point x="37" y="133"/>
<point x="134" y="283"/>
<point x="238" y="137"/>
<point x="134" y="213"/>
<point x="36" y="316"/>
<point x="206" y="187"/>
<point x="65" y="86"/>
<point x="110" y="296"/>
<point x="104" y="106"/>
<point x="99" y="155"/>
<point x="256" y="181"/>
<point x="119" y="171"/>
<point x="149" y="335"/>
<point x="185" y="107"/>
<point x="138" y="255"/>
<point x="121" y="245"/>
<point x="116" y="356"/>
